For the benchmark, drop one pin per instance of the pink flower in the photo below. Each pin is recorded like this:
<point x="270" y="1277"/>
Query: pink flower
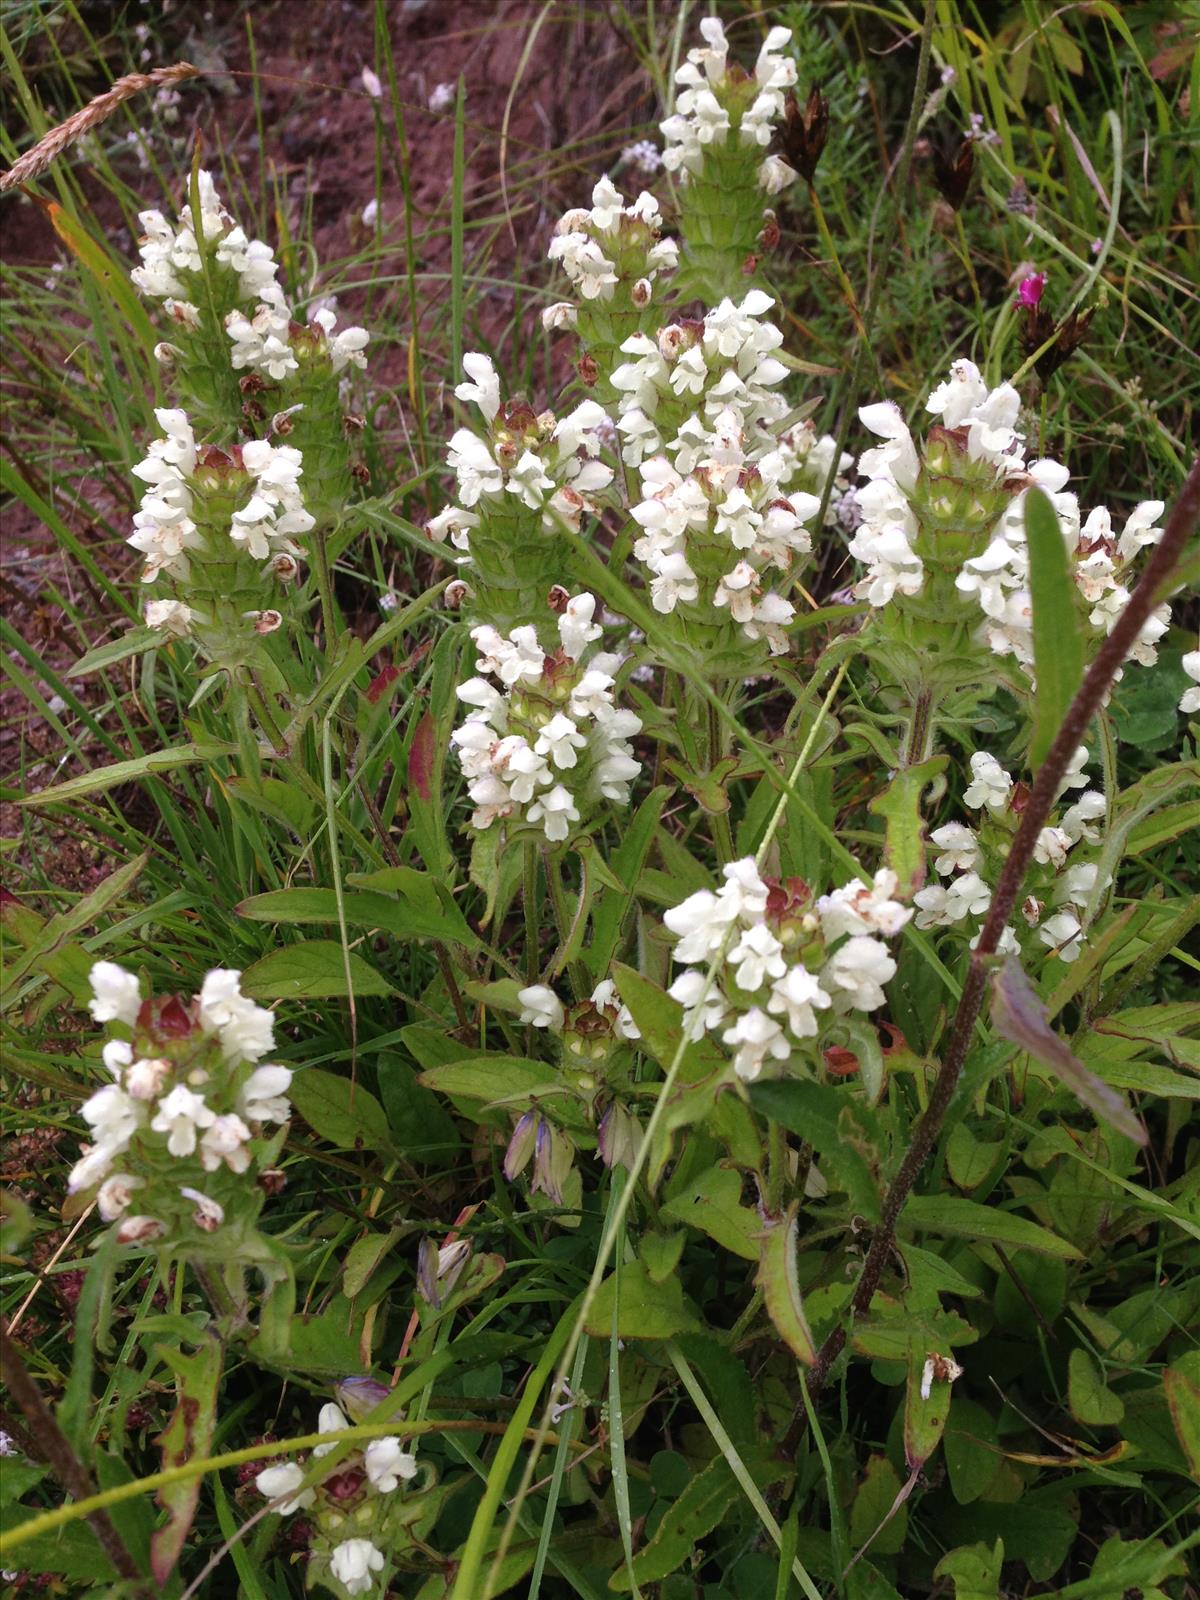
<point x="1031" y="289"/>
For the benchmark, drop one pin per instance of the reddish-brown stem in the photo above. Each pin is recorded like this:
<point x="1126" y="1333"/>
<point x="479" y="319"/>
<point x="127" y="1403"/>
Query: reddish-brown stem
<point x="56" y="1450"/>
<point x="1097" y="681"/>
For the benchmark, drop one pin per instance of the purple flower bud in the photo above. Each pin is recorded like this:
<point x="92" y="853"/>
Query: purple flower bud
<point x="520" y="1146"/>
<point x="359" y="1396"/>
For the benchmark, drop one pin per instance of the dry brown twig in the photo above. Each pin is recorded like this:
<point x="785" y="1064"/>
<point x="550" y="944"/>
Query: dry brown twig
<point x="34" y="162"/>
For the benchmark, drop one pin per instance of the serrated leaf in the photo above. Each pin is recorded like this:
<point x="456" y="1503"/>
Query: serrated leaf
<point x="315" y="969"/>
<point x="974" y="1570"/>
<point x="1057" y="639"/>
<point x="813" y="1111"/>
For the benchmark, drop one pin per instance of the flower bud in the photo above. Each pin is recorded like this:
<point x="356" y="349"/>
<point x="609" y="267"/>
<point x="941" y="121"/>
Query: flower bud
<point x="140" y="1230"/>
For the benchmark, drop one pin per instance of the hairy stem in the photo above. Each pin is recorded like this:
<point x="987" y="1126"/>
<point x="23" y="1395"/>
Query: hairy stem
<point x="1088" y="699"/>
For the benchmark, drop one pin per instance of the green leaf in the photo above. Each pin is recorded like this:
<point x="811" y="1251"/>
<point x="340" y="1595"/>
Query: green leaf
<point x="315" y="969"/>
<point x="343" y="1113"/>
<point x="147" y="766"/>
<point x="188" y="1435"/>
<point x="131" y="643"/>
<point x="972" y="1459"/>
<point x="1181" y="1381"/>
<point x="813" y="1111"/>
<point x="272" y="797"/>
<point x="713" y="1204"/>
<point x="696" y="1512"/>
<point x="421" y="1126"/>
<point x="974" y="1570"/>
<point x="647" y="1310"/>
<point x="873" y="1502"/>
<point x="427" y="898"/>
<point x="363" y="1256"/>
<point x="493" y="1079"/>
<point x="364" y="909"/>
<point x="660" y="1253"/>
<point x="924" y="1415"/>
<point x="1057" y="640"/>
<point x="900" y="807"/>
<point x="53" y="934"/>
<point x="965" y="1219"/>
<point x="71" y="1551"/>
<point x="1091" y="1401"/>
<point x="776" y="1277"/>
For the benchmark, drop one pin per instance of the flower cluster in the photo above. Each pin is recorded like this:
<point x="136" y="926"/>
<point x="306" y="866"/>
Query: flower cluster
<point x="617" y="261"/>
<point x="1058" y="892"/>
<point x="717" y="512"/>
<point x="678" y="383"/>
<point x="720" y="106"/>
<point x="783" y="955"/>
<point x="355" y="1509"/>
<point x="185" y="1118"/>
<point x="716" y="141"/>
<point x="518" y="487"/>
<point x="172" y="258"/>
<point x="610" y="245"/>
<point x="1190" y="700"/>
<point x="548" y="745"/>
<point x="949" y="522"/>
<point x="221" y="526"/>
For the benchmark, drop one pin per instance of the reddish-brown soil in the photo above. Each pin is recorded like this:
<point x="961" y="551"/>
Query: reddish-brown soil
<point x="552" y="94"/>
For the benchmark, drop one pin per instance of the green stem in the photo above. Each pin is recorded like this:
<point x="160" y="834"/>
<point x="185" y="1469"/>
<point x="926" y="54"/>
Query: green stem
<point x="529" y="898"/>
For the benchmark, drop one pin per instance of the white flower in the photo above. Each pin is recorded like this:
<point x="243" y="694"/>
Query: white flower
<point x="477" y="470"/>
<point x="541" y="1007"/>
<point x="117" y="1055"/>
<point x="855" y="973"/>
<point x="387" y="1463"/>
<point x="485" y="390"/>
<point x="797" y="995"/>
<point x="1088" y="808"/>
<point x="245" y="1029"/>
<point x="226" y="1141"/>
<point x="705" y="1007"/>
<point x="941" y="907"/>
<point x="555" y="810"/>
<point x="758" y="956"/>
<point x="959" y="847"/>
<point x="171" y="615"/>
<point x="146" y="1079"/>
<point x="1191" y="697"/>
<point x="352" y="1563"/>
<point x="95" y="1162"/>
<point x="117" y="994"/>
<point x="112" y="1115"/>
<point x="1051" y="847"/>
<point x="560" y="739"/>
<point x="179" y="1115"/>
<point x="757" y="1037"/>
<point x="330" y="1419"/>
<point x="442" y="96"/>
<point x="209" y="1214"/>
<point x="371" y="83"/>
<point x="285" y="1479"/>
<point x="575" y="626"/>
<point x="1062" y="933"/>
<point x="857" y="908"/>
<point x="115" y="1195"/>
<point x="990" y="785"/>
<point x="263" y="1095"/>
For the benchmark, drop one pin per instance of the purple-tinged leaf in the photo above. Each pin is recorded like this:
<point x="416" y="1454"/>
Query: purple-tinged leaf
<point x="1020" y="1017"/>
